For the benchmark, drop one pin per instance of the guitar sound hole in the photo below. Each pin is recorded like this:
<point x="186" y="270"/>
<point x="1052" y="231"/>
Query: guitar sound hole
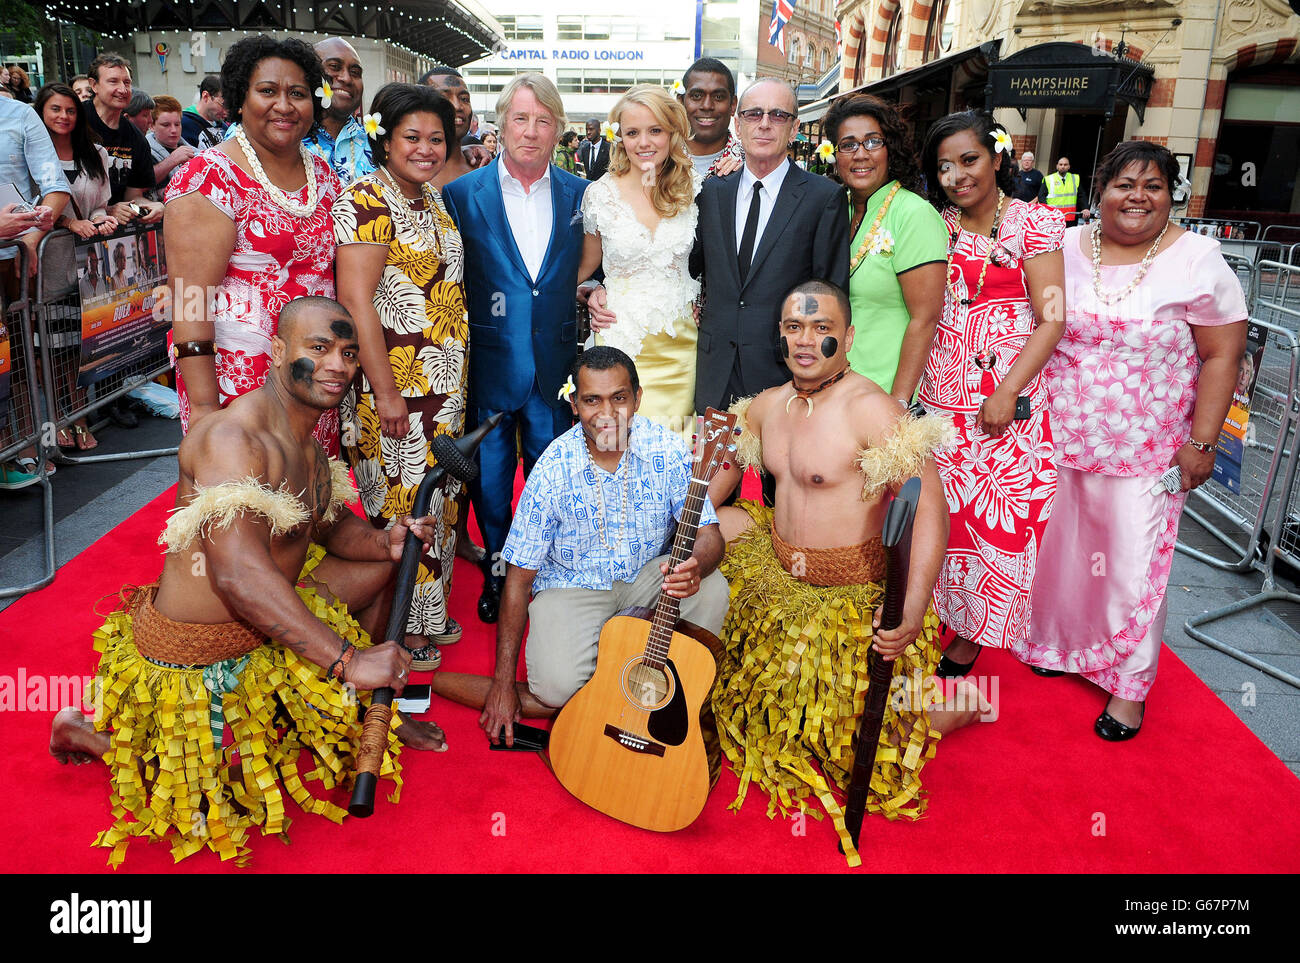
<point x="646" y="687"/>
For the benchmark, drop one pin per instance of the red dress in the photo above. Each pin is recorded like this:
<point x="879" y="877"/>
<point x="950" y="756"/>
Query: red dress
<point x="277" y="257"/>
<point x="999" y="490"/>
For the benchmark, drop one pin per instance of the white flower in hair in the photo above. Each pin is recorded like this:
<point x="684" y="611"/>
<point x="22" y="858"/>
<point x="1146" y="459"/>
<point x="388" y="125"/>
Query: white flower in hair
<point x="1001" y="140"/>
<point x="325" y="93"/>
<point x="371" y="124"/>
<point x="567" y="389"/>
<point x="679" y="88"/>
<point x="825" y="150"/>
<point x="610" y="132"/>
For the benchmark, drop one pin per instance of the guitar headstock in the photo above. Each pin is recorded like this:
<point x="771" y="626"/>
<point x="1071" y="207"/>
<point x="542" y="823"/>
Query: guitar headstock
<point x="715" y="443"/>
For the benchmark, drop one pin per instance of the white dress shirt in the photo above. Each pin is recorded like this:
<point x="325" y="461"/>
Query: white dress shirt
<point x="530" y="215"/>
<point x="766" y="200"/>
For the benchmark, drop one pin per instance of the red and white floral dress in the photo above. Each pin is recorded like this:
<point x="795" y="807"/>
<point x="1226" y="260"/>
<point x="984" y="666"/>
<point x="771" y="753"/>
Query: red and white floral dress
<point x="278" y="257"/>
<point x="999" y="490"/>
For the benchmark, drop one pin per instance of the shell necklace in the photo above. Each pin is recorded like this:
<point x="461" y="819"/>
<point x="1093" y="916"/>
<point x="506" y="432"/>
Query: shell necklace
<point x="278" y="197"/>
<point x="870" y="239"/>
<point x="993" y="243"/>
<point x="1110" y="297"/>
<point x="431" y="236"/>
<point x="601" y="527"/>
<point x="805" y="394"/>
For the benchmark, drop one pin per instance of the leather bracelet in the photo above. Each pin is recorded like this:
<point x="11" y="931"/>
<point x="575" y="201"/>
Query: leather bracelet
<point x="341" y="663"/>
<point x="1206" y="449"/>
<point x="193" y="349"/>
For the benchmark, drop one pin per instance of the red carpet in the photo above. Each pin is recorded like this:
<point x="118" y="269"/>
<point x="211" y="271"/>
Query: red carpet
<point x="1035" y="791"/>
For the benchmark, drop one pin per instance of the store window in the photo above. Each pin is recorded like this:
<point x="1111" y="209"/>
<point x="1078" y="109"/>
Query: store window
<point x="521" y="28"/>
<point x="1257" y="154"/>
<point x="893" y="60"/>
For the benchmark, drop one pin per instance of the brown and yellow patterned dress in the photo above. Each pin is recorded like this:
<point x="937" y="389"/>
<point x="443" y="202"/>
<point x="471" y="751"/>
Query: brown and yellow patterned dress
<point x="421" y="306"/>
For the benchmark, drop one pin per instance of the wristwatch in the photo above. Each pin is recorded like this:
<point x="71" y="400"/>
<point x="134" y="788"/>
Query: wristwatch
<point x="1207" y="449"/>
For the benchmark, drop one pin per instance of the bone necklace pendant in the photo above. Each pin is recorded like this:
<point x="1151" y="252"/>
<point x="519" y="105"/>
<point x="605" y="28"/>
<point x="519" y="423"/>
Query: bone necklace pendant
<point x="806" y="394"/>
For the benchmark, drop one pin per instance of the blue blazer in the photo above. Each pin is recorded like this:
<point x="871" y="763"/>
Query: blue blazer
<point x="521" y="329"/>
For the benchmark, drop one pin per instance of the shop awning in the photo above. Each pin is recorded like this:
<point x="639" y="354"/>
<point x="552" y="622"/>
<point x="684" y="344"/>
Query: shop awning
<point x="451" y="32"/>
<point x="1071" y="76"/>
<point x="973" y="61"/>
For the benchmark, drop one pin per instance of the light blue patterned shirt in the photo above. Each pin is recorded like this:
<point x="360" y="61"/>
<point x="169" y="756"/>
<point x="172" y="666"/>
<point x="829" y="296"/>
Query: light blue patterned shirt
<point x="349" y="155"/>
<point x="555" y="530"/>
<point x="27" y="156"/>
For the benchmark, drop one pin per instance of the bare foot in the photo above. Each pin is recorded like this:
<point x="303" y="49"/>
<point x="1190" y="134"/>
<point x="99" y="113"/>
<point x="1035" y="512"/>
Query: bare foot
<point x="74" y="739"/>
<point x="967" y="705"/>
<point x="420" y="734"/>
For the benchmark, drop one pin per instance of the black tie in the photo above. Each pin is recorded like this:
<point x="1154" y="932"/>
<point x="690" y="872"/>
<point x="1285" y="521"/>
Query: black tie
<point x="751" y="229"/>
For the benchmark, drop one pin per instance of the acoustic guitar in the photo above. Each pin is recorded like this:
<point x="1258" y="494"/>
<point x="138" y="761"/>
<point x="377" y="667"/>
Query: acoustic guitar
<point x="628" y="743"/>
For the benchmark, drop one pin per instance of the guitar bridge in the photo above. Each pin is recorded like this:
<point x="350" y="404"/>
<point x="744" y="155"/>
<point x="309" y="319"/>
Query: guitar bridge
<point x="634" y="742"/>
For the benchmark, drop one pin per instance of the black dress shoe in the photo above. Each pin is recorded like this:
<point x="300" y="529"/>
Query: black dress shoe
<point x="121" y="414"/>
<point x="948" y="669"/>
<point x="1112" y="730"/>
<point x="1045" y="673"/>
<point x="489" y="601"/>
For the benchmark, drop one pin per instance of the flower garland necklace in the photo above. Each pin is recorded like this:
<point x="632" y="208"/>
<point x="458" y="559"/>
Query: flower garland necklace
<point x="1110" y="297"/>
<point x="601" y="527"/>
<point x="870" y="239"/>
<point x="431" y="235"/>
<point x="278" y="197"/>
<point x="988" y="259"/>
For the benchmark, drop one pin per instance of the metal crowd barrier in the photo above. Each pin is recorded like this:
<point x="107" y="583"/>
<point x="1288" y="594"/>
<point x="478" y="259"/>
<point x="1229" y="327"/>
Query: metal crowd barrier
<point x="1282" y="539"/>
<point x="1223" y="228"/>
<point x="57" y="312"/>
<point x="1277" y="290"/>
<point x="24" y="429"/>
<point x="1272" y="249"/>
<point x="1269" y="438"/>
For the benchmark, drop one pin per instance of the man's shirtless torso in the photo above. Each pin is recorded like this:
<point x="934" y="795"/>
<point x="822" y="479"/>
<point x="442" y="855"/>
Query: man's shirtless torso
<point x="249" y="434"/>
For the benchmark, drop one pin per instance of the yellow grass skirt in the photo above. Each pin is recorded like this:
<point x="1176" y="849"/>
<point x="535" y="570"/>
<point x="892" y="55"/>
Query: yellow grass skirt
<point x="165" y="763"/>
<point x="793" y="682"/>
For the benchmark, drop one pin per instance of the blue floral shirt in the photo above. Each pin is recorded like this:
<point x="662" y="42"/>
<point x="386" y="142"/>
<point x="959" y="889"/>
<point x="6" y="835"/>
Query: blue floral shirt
<point x="349" y="155"/>
<point x="555" y="529"/>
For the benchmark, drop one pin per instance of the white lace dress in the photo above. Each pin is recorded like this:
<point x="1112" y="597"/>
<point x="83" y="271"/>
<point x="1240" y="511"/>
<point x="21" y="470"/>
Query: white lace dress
<point x="651" y="292"/>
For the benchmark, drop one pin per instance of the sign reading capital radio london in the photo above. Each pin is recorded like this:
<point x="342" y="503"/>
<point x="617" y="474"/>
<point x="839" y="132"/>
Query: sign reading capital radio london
<point x="1069" y="87"/>
<point x="513" y="55"/>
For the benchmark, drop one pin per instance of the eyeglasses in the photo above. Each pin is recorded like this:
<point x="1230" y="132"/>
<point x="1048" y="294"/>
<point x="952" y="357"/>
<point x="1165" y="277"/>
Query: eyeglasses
<point x="851" y="146"/>
<point x="754" y="115"/>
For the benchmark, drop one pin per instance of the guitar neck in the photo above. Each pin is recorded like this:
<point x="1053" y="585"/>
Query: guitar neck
<point x="667" y="608"/>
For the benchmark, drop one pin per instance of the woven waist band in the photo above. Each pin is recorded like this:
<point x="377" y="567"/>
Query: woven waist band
<point x="848" y="565"/>
<point x="168" y="642"/>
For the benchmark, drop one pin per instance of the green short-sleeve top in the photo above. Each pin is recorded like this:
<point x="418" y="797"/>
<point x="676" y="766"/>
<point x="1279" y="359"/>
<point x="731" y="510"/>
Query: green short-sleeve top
<point x="911" y="234"/>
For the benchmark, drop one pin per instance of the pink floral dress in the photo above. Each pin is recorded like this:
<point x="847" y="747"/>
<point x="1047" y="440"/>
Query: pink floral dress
<point x="999" y="490"/>
<point x="1122" y="384"/>
<point x="277" y="257"/>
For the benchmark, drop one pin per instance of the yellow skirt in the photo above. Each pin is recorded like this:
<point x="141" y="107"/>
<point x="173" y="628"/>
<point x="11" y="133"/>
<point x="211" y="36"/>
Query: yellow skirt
<point x="793" y="683"/>
<point x="172" y="779"/>
<point x="665" y="366"/>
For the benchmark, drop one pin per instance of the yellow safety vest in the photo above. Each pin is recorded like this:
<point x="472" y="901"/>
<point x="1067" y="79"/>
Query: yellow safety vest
<point x="1063" y="192"/>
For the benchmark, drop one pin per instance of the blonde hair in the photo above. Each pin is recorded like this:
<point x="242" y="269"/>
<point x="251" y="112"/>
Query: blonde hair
<point x="542" y="89"/>
<point x="673" y="190"/>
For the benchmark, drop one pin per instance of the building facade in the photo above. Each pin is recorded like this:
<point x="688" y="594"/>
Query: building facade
<point x="591" y="54"/>
<point x="1216" y="81"/>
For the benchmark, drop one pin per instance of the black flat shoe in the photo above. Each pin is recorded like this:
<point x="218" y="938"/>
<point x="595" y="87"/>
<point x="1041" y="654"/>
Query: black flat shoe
<point x="948" y="669"/>
<point x="1045" y="673"/>
<point x="489" y="601"/>
<point x="1112" y="730"/>
<point x="121" y="415"/>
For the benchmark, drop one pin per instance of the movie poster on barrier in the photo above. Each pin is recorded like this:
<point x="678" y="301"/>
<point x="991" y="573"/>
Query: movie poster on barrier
<point x="1232" y="437"/>
<point x="5" y="375"/>
<point x="117" y="277"/>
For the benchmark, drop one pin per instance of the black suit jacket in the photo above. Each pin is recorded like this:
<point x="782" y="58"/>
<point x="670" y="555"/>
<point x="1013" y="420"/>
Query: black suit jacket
<point x="806" y="237"/>
<point x="599" y="163"/>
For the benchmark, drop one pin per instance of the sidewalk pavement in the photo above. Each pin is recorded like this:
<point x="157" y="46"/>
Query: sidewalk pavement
<point x="90" y="500"/>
